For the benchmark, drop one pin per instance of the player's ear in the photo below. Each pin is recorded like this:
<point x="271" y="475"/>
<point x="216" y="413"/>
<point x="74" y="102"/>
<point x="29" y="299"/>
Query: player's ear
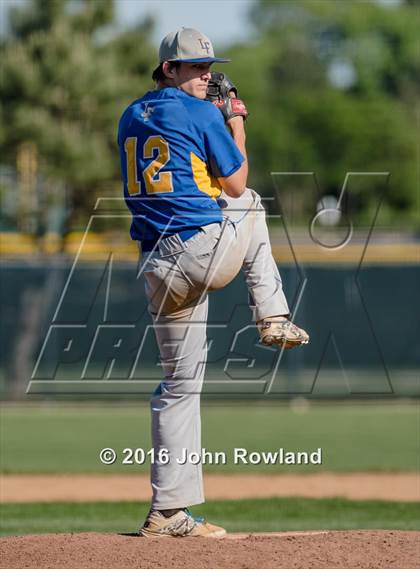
<point x="168" y="69"/>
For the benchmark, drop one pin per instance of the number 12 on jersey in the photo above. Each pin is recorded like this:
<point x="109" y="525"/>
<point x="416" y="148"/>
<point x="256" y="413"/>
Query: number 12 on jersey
<point x="155" y="181"/>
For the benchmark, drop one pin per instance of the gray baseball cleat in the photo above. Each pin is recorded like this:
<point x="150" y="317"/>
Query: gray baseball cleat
<point x="281" y="331"/>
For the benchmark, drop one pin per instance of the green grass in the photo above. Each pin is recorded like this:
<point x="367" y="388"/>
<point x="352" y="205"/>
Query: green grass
<point x="48" y="438"/>
<point x="278" y="514"/>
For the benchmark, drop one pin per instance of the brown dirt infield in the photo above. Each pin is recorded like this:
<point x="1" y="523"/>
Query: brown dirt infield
<point x="318" y="550"/>
<point x="110" y="487"/>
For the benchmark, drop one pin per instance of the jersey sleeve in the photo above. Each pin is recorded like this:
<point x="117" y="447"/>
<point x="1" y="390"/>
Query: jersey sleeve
<point x="223" y="156"/>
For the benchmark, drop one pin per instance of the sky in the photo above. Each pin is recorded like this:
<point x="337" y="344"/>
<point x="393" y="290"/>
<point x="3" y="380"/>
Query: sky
<point x="224" y="21"/>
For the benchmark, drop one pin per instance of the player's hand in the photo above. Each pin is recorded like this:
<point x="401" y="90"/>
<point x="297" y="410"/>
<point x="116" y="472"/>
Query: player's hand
<point x="223" y="93"/>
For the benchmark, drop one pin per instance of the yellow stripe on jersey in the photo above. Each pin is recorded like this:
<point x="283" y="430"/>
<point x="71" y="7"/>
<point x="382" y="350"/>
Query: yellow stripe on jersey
<point x="202" y="177"/>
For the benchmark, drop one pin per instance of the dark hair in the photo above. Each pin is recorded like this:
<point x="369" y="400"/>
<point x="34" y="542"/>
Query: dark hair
<point x="158" y="74"/>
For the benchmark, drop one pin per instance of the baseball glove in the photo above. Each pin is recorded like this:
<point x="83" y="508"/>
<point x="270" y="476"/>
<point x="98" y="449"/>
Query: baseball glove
<point x="223" y="93"/>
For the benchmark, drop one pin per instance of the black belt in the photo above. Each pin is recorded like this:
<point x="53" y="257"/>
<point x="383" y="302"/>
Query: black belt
<point x="149" y="244"/>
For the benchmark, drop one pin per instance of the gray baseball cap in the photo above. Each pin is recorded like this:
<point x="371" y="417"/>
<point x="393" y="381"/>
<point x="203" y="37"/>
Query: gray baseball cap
<point x="188" y="45"/>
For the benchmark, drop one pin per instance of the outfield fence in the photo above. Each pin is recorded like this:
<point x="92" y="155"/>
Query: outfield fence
<point x="85" y="331"/>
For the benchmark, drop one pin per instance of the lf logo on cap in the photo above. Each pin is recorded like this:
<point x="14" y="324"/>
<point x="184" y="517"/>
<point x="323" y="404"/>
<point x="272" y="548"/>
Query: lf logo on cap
<point x="205" y="45"/>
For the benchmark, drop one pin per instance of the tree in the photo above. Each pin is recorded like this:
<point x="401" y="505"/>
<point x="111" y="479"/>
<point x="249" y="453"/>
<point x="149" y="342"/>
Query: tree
<point x="304" y="117"/>
<point x="64" y="86"/>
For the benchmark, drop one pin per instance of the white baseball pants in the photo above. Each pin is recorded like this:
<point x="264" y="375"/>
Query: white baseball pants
<point x="178" y="276"/>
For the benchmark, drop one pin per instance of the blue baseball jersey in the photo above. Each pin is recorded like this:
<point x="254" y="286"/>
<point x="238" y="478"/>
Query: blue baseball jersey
<point x="173" y="147"/>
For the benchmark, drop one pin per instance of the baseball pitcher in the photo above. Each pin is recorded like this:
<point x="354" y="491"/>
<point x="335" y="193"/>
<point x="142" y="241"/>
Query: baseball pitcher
<point x="184" y="167"/>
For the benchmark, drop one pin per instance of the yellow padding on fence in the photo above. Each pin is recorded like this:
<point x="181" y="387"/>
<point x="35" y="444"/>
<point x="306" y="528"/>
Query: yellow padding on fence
<point x="99" y="246"/>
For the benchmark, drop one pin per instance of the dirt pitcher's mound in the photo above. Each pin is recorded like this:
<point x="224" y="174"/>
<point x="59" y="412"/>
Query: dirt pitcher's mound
<point x="304" y="550"/>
